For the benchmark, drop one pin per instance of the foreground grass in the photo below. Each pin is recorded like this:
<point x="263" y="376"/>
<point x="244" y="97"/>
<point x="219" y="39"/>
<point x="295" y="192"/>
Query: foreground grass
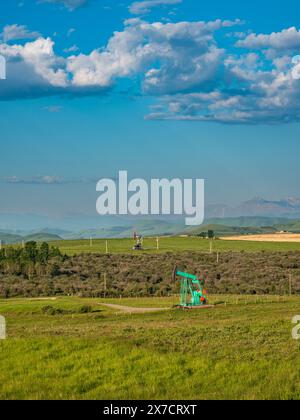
<point x="171" y="244"/>
<point x="241" y="349"/>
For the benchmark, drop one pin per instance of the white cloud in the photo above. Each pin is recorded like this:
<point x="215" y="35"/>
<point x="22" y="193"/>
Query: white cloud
<point x="53" y="109"/>
<point x="192" y="77"/>
<point x="71" y="31"/>
<point x="69" y="4"/>
<point x="144" y="7"/>
<point x="138" y="48"/>
<point x="43" y="180"/>
<point x="262" y="98"/>
<point x="18" y="32"/>
<point x="157" y="50"/>
<point x="33" y="69"/>
<point x="287" y="39"/>
<point x="71" y="49"/>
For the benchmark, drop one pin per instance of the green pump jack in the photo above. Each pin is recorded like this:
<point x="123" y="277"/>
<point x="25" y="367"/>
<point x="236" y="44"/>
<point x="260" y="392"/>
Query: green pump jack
<point x="192" y="292"/>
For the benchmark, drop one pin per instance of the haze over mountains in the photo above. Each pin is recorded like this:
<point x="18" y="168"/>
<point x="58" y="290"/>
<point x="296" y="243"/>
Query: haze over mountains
<point x="287" y="207"/>
<point x="257" y="215"/>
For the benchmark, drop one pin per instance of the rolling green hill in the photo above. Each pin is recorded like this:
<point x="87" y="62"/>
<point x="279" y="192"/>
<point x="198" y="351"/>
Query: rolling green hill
<point x="42" y="237"/>
<point x="9" y="238"/>
<point x="143" y="227"/>
<point x="248" y="221"/>
<point x="291" y="226"/>
<point x="246" y="226"/>
<point x="221" y="227"/>
<point x="223" y="230"/>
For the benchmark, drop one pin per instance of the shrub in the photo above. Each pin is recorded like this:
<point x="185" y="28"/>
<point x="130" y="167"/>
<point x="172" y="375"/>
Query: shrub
<point x="85" y="309"/>
<point x="50" y="310"/>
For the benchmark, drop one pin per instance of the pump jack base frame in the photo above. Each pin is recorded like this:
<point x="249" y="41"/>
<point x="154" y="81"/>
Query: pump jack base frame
<point x="187" y="307"/>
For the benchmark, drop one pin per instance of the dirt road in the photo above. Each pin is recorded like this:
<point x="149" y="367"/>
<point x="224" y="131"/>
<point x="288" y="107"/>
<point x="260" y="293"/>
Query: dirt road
<point x="130" y="310"/>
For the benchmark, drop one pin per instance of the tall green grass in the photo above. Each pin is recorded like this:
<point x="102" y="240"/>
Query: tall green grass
<point x="240" y="349"/>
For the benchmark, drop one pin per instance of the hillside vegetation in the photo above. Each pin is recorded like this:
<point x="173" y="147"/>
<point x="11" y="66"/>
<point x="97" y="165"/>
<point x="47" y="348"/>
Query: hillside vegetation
<point x="149" y="275"/>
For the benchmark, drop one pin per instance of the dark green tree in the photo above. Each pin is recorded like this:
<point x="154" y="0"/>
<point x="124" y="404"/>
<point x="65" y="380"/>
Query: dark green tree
<point x="44" y="253"/>
<point x="31" y="251"/>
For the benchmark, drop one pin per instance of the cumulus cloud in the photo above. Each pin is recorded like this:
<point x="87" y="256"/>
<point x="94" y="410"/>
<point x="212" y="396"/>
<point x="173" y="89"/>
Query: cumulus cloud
<point x="182" y="65"/>
<point x="144" y="7"/>
<point x="18" y="32"/>
<point x="157" y="50"/>
<point x="287" y="39"/>
<point x="33" y="69"/>
<point x="263" y="97"/>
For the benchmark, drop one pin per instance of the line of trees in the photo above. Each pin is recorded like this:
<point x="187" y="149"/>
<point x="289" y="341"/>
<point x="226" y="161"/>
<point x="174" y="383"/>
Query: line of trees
<point x="31" y="260"/>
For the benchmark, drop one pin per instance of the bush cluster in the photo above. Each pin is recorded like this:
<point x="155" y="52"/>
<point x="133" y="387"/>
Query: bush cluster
<point x="41" y="271"/>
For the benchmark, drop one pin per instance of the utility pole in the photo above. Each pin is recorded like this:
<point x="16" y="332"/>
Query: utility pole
<point x="106" y="247"/>
<point x="105" y="283"/>
<point x="157" y="243"/>
<point x="217" y="257"/>
<point x="291" y="284"/>
<point x="210" y="246"/>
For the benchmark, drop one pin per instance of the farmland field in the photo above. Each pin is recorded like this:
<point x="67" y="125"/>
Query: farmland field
<point x="267" y="237"/>
<point x="76" y="348"/>
<point x="172" y="244"/>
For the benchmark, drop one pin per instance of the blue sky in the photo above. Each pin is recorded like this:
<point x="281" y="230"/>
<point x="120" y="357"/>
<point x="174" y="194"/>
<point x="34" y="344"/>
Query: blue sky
<point x="183" y="89"/>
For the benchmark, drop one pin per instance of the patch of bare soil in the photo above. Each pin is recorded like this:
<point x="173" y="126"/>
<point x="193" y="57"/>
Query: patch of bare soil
<point x="129" y="309"/>
<point x="272" y="237"/>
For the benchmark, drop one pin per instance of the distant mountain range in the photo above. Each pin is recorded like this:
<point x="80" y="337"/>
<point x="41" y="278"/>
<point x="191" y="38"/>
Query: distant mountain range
<point x="253" y="216"/>
<point x="288" y="207"/>
<point x="221" y="227"/>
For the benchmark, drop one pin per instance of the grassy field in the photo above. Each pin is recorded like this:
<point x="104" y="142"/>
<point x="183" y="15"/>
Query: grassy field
<point x="241" y="349"/>
<point x="172" y="244"/>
